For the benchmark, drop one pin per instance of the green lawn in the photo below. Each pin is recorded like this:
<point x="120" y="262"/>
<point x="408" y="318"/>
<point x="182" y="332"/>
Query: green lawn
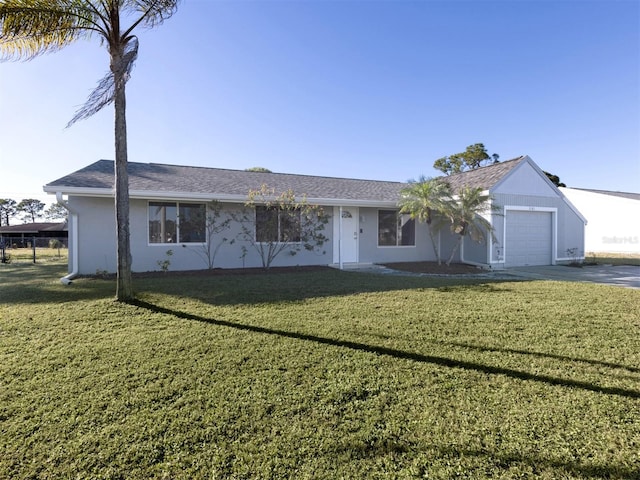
<point x="317" y="375"/>
<point x="43" y="255"/>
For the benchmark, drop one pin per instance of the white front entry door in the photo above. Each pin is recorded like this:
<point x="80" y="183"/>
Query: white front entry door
<point x="346" y="230"/>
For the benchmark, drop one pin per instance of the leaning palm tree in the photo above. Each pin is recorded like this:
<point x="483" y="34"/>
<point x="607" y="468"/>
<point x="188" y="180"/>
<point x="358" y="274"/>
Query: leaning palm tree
<point x="424" y="200"/>
<point x="29" y="28"/>
<point x="466" y="214"/>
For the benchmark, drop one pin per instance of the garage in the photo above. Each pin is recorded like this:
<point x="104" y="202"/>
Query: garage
<point x="528" y="238"/>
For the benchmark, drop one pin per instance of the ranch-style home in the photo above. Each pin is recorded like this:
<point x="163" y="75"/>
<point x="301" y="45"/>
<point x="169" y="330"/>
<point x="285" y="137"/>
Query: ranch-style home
<point x="534" y="224"/>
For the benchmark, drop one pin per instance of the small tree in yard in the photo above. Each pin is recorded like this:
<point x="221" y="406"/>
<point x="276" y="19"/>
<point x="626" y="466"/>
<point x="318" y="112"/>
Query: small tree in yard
<point x="465" y="214"/>
<point x="424" y="200"/>
<point x="274" y="223"/>
<point x="215" y="224"/>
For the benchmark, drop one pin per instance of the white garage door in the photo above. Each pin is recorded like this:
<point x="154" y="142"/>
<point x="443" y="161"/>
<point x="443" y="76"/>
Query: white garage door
<point x="528" y="238"/>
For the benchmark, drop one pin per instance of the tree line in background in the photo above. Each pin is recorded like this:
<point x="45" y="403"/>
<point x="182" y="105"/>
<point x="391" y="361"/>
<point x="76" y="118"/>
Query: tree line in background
<point x="29" y="210"/>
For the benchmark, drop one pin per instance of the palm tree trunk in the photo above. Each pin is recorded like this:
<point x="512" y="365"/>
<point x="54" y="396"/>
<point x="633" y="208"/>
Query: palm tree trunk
<point x="435" y="247"/>
<point x="124" y="286"/>
<point x="455" y="249"/>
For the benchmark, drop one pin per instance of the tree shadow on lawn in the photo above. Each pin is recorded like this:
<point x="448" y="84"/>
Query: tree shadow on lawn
<point x="400" y="354"/>
<point x="277" y="288"/>
<point x="502" y="461"/>
<point x="555" y="356"/>
<point x="255" y="286"/>
<point x="37" y="284"/>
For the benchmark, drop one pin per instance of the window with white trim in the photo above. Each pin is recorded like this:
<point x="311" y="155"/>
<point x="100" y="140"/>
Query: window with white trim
<point x="395" y="230"/>
<point x="176" y="222"/>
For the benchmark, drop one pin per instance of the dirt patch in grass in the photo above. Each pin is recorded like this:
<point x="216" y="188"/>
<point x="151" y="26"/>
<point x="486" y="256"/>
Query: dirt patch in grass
<point x="434" y="268"/>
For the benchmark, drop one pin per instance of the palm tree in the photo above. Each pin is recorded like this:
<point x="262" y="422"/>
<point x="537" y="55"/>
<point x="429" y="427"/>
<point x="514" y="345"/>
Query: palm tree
<point x="29" y="28"/>
<point x="423" y="200"/>
<point x="466" y="216"/>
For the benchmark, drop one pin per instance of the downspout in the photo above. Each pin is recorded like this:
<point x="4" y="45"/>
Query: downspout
<point x="340" y="240"/>
<point x="66" y="280"/>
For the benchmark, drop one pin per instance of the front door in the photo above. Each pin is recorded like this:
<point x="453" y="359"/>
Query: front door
<point x="348" y="229"/>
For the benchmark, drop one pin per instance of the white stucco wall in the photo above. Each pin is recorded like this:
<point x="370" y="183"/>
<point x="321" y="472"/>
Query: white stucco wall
<point x="97" y="243"/>
<point x="613" y="222"/>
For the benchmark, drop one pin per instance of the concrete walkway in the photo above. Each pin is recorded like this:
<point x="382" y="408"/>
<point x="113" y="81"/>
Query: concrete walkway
<point x="619" y="275"/>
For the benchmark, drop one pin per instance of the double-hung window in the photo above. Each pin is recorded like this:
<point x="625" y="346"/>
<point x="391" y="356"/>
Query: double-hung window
<point x="395" y="229"/>
<point x="274" y="224"/>
<point x="177" y="222"/>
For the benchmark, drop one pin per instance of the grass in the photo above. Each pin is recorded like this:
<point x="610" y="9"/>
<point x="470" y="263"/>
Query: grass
<point x="317" y="375"/>
<point x="43" y="255"/>
<point x="603" y="258"/>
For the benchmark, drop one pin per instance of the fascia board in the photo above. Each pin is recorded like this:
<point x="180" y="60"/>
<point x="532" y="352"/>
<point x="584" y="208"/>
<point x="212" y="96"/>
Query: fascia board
<point x="79" y="191"/>
<point x="224" y="198"/>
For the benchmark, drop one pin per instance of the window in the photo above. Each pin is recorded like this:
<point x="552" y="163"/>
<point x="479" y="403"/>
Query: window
<point x="276" y="225"/>
<point x="191" y="223"/>
<point x="171" y="222"/>
<point x="395" y="230"/>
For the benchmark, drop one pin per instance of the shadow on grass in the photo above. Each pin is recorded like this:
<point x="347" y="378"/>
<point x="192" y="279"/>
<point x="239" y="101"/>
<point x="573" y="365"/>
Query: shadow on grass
<point x="536" y="462"/>
<point x="40" y="284"/>
<point x="501" y="461"/>
<point x="480" y="348"/>
<point x="431" y="359"/>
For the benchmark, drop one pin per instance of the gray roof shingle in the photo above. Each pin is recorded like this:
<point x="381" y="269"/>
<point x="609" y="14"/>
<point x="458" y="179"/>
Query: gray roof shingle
<point x="153" y="177"/>
<point x="484" y="177"/>
<point x="158" y="178"/>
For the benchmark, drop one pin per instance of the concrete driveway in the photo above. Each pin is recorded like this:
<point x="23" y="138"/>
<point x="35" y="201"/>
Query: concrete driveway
<point x="619" y="275"/>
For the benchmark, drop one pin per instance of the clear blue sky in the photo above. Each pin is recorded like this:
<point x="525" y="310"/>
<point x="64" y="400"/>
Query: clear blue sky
<point x="366" y="89"/>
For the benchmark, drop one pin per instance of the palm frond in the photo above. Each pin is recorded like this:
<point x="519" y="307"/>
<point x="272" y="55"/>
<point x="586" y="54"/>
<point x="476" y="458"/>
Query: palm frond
<point x="104" y="93"/>
<point x="151" y="12"/>
<point x="29" y="28"/>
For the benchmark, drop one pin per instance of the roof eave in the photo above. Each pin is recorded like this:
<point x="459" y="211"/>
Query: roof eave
<point x="224" y="198"/>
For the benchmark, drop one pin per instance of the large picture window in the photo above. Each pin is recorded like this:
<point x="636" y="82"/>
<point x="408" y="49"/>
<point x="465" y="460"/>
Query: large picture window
<point x="276" y="225"/>
<point x="172" y="222"/>
<point x="395" y="229"/>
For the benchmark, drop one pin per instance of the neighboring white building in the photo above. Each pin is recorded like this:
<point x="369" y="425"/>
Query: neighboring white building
<point x="613" y="219"/>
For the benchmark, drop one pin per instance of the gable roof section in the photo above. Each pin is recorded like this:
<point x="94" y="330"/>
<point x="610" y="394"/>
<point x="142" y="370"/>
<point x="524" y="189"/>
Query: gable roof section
<point x="483" y="177"/>
<point x="153" y="180"/>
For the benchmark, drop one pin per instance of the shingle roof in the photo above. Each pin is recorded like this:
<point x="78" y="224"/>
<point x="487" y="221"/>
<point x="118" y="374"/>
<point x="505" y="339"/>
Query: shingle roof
<point x="484" y="177"/>
<point x="153" y="177"/>
<point x="158" y="178"/>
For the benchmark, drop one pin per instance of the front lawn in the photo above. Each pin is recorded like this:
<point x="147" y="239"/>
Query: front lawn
<point x="323" y="375"/>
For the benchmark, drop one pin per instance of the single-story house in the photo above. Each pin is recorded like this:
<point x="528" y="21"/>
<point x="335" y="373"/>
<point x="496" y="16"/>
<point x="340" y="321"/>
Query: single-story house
<point x="39" y="232"/>
<point x="536" y="224"/>
<point x="614" y="219"/>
